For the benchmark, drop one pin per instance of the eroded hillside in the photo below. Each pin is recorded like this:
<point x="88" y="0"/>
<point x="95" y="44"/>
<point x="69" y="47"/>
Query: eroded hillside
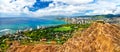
<point x="99" y="37"/>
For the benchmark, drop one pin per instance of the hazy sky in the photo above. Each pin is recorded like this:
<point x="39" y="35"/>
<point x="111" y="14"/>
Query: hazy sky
<point x="38" y="8"/>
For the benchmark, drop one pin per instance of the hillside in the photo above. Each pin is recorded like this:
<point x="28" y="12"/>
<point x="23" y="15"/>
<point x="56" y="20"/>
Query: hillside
<point x="99" y="37"/>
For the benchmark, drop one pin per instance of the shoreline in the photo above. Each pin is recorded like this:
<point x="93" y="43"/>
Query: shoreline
<point x="27" y="24"/>
<point x="7" y="31"/>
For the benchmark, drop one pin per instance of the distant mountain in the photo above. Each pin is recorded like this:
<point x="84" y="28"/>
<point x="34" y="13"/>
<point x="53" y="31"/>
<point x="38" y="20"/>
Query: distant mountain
<point x="108" y="15"/>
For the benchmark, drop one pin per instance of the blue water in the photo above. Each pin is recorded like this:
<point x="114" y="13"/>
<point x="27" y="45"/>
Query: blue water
<point x="11" y="25"/>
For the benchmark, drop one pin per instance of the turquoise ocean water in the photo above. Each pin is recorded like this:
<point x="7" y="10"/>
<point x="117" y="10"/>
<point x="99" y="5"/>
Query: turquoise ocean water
<point x="11" y="25"/>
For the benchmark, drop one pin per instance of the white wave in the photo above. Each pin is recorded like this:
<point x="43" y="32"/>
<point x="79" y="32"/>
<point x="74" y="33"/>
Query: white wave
<point x="5" y="30"/>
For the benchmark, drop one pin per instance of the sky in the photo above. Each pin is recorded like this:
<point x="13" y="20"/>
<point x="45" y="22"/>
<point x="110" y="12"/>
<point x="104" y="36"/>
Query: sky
<point x="39" y="8"/>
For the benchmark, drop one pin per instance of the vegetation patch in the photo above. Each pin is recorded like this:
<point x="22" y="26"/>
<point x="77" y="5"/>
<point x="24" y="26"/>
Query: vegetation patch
<point x="49" y="35"/>
<point x="64" y="28"/>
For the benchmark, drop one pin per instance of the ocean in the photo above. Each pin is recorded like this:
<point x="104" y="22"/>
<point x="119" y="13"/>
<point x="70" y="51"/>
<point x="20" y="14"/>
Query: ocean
<point x="11" y="25"/>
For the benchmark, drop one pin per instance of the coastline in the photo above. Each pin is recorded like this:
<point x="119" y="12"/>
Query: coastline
<point x="29" y="24"/>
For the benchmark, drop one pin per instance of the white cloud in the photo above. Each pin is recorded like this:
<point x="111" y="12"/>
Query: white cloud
<point x="71" y="1"/>
<point x="117" y="11"/>
<point x="74" y="1"/>
<point x="100" y="7"/>
<point x="74" y="6"/>
<point x="16" y="7"/>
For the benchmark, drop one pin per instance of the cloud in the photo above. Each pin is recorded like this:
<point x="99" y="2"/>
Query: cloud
<point x="74" y="1"/>
<point x="70" y="1"/>
<point x="60" y="7"/>
<point x="12" y="7"/>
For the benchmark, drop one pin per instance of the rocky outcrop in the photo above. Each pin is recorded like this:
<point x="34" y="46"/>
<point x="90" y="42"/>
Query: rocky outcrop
<point x="99" y="37"/>
<point x="33" y="48"/>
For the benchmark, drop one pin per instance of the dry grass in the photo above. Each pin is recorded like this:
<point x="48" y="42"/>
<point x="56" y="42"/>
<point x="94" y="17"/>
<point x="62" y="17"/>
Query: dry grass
<point x="99" y="37"/>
